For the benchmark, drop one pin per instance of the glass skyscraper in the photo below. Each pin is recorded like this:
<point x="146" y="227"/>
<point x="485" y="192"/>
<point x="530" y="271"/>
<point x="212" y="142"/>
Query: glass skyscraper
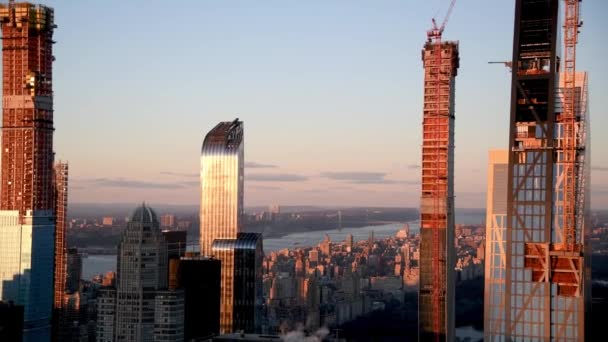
<point x="27" y="219"/>
<point x="222" y="178"/>
<point x="538" y="286"/>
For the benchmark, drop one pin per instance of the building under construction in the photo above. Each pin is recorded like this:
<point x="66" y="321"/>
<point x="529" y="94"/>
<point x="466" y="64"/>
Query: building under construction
<point x="26" y="202"/>
<point x="539" y="282"/>
<point x="436" y="298"/>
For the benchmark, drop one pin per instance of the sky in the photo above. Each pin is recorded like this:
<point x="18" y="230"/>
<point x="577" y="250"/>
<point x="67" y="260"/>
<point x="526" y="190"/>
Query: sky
<point x="330" y="93"/>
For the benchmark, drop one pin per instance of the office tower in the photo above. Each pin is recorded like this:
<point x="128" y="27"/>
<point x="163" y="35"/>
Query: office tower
<point x="142" y="271"/>
<point x="199" y="278"/>
<point x="436" y="296"/>
<point x="221" y="184"/>
<point x="496" y="223"/>
<point x="242" y="291"/>
<point x="546" y="293"/>
<point x="27" y="219"/>
<point x="74" y="270"/>
<point x="106" y="315"/>
<point x="11" y="322"/>
<point x="169" y="316"/>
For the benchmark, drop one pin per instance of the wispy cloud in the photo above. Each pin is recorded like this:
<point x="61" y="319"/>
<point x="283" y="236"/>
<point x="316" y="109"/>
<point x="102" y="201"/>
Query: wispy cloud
<point x="413" y="166"/>
<point x="190" y="184"/>
<point x="599" y="168"/>
<point x="130" y="183"/>
<point x="274" y="177"/>
<point x="364" y="178"/>
<point x="255" y="165"/>
<point x="179" y="174"/>
<point x="263" y="187"/>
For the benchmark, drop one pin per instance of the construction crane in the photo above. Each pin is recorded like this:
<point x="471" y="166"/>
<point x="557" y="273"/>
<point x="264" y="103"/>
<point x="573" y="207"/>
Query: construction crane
<point x="434" y="34"/>
<point x="508" y="64"/>
<point x="438" y="216"/>
<point x="569" y="118"/>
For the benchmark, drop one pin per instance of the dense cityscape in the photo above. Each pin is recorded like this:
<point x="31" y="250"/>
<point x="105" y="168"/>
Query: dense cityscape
<point x="519" y="269"/>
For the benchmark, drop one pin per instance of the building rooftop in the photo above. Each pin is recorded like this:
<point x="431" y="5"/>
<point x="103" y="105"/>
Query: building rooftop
<point x="144" y="214"/>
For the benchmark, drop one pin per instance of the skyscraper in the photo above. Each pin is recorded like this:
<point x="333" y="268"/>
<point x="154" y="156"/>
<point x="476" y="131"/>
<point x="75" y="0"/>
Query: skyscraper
<point x="199" y="278"/>
<point x="27" y="220"/>
<point x="221" y="184"/>
<point x="142" y="271"/>
<point x="436" y="297"/>
<point x="496" y="217"/>
<point x="544" y="292"/>
<point x="241" y="308"/>
<point x="222" y="203"/>
<point x="60" y="182"/>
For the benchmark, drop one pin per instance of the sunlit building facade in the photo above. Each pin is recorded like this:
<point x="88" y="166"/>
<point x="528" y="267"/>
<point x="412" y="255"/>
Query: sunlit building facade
<point x="437" y="253"/>
<point x="242" y="290"/>
<point x="543" y="291"/>
<point x="496" y="216"/>
<point x="222" y="177"/>
<point x="27" y="219"/>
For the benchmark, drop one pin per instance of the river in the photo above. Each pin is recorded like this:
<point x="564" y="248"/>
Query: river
<point x="98" y="264"/>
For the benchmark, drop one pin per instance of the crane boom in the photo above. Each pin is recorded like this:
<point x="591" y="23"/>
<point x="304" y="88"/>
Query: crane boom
<point x="434" y="34"/>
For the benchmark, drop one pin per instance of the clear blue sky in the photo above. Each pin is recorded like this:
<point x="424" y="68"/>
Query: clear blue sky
<point x="330" y="93"/>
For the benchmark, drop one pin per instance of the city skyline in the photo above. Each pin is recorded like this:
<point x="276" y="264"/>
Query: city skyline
<point x="266" y="75"/>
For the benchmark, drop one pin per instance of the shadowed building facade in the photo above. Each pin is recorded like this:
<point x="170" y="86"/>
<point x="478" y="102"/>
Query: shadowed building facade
<point x="242" y="305"/>
<point x="142" y="271"/>
<point x="27" y="219"/>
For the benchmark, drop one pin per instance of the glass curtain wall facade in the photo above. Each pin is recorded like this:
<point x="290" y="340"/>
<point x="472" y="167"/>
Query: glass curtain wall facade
<point x="243" y="300"/>
<point x="546" y="282"/>
<point x="26" y="202"/>
<point x="496" y="216"/>
<point x="222" y="178"/>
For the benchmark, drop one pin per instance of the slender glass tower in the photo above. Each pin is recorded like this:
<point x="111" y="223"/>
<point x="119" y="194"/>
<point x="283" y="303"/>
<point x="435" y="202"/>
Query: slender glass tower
<point x="221" y="184"/>
<point x="27" y="194"/>
<point x="222" y="205"/>
<point x="543" y="293"/>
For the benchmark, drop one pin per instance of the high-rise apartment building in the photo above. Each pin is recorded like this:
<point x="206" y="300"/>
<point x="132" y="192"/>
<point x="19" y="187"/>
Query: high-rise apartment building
<point x="61" y="204"/>
<point x="60" y="182"/>
<point x="221" y="211"/>
<point x="27" y="221"/>
<point x="241" y="307"/>
<point x="543" y="291"/>
<point x="437" y="260"/>
<point x="169" y="316"/>
<point x="222" y="167"/>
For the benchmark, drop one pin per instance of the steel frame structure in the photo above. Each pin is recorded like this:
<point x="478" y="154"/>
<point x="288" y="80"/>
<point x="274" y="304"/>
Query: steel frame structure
<point x="546" y="278"/>
<point x="436" y="296"/>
